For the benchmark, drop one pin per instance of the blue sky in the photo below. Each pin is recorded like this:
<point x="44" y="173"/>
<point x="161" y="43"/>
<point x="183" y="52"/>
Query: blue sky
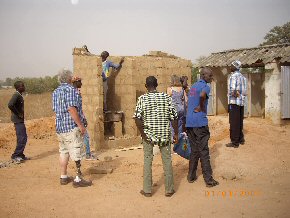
<point x="37" y="36"/>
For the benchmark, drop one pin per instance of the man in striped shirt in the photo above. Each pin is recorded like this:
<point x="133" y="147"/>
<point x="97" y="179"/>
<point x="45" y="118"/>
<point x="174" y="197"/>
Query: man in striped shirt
<point x="237" y="91"/>
<point x="154" y="111"/>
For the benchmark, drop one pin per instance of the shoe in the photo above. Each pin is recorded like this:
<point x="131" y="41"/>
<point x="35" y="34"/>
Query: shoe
<point x="26" y="158"/>
<point x="65" y="181"/>
<point x="211" y="183"/>
<point x="17" y="160"/>
<point x="145" y="194"/>
<point x="169" y="194"/>
<point x="232" y="145"/>
<point x="91" y="157"/>
<point x="191" y="180"/>
<point x="242" y="142"/>
<point x="82" y="183"/>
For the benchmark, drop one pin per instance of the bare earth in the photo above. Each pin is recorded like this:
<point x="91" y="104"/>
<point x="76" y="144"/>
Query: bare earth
<point x="254" y="179"/>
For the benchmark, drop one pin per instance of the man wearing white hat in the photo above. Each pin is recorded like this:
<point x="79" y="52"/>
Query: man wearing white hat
<point x="237" y="91"/>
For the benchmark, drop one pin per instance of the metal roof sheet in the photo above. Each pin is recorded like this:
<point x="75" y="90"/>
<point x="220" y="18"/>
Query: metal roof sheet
<point x="248" y="56"/>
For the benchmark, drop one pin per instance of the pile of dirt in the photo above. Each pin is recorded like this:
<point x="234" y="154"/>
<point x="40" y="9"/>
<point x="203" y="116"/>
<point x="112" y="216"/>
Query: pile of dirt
<point x="42" y="128"/>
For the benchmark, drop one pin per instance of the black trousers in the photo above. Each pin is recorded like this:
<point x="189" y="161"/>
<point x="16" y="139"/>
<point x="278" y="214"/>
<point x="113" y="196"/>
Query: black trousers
<point x="236" y="119"/>
<point x="21" y="140"/>
<point x="198" y="139"/>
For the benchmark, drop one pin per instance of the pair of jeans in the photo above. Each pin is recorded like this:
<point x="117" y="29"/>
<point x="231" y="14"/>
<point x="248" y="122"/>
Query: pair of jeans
<point x="105" y="89"/>
<point x="198" y="140"/>
<point x="236" y="119"/>
<point x="167" y="167"/>
<point x="21" y="136"/>
<point x="87" y="143"/>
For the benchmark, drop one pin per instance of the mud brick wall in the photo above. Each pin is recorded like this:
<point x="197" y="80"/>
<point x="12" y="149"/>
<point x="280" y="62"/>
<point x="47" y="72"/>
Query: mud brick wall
<point x="125" y="86"/>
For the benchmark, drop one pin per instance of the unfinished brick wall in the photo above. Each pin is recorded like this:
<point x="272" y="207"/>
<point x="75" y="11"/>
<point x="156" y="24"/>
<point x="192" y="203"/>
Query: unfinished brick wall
<point x="125" y="86"/>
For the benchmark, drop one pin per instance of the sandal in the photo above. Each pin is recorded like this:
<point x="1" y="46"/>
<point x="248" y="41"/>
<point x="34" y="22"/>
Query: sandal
<point x="145" y="194"/>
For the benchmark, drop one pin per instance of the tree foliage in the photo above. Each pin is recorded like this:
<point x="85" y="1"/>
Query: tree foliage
<point x="278" y="35"/>
<point x="195" y="69"/>
<point x="35" y="85"/>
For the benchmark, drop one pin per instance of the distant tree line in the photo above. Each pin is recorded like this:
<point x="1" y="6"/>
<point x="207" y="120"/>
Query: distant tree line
<point x="34" y="85"/>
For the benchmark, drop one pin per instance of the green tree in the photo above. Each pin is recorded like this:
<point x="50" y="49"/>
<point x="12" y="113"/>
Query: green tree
<point x="195" y="68"/>
<point x="278" y="35"/>
<point x="36" y="85"/>
<point x="8" y="82"/>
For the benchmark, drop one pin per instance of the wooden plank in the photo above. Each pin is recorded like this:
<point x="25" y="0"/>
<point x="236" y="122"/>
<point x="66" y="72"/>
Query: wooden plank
<point x="130" y="148"/>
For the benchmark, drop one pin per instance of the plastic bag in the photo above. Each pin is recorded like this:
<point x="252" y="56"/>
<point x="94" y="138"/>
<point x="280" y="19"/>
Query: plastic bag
<point x="182" y="148"/>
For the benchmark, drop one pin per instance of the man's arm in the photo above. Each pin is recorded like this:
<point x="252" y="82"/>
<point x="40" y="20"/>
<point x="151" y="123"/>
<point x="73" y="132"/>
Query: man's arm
<point x="116" y="66"/>
<point x="11" y="106"/>
<point x="233" y="87"/>
<point x="201" y="106"/>
<point x="74" y="114"/>
<point x="139" y="125"/>
<point x="175" y="127"/>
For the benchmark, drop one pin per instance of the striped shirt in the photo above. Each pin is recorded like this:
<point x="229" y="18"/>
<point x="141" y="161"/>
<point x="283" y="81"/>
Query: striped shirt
<point x="63" y="97"/>
<point x="156" y="111"/>
<point x="237" y="82"/>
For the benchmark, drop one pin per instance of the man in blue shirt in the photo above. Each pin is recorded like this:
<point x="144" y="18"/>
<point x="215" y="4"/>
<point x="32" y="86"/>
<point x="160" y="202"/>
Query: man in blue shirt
<point x="106" y="64"/>
<point x="70" y="129"/>
<point x="197" y="128"/>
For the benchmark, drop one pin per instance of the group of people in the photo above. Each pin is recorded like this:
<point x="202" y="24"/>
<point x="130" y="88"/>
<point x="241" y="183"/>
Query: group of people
<point x="160" y="118"/>
<point x="185" y="110"/>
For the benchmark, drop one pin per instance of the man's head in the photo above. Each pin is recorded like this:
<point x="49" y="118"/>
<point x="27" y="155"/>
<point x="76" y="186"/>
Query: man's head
<point x="65" y="76"/>
<point x="206" y="74"/>
<point x="77" y="82"/>
<point x="104" y="55"/>
<point x="19" y="86"/>
<point x="235" y="65"/>
<point x="151" y="83"/>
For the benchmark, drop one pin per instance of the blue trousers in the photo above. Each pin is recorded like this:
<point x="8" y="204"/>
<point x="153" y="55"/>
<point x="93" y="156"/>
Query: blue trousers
<point x="87" y="143"/>
<point x="21" y="136"/>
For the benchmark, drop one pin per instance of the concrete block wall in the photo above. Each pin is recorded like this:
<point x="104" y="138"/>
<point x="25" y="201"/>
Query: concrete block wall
<point x="125" y="86"/>
<point x="89" y="68"/>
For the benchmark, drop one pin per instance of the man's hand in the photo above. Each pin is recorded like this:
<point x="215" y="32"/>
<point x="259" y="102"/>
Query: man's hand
<point x="236" y="94"/>
<point x="175" y="139"/>
<point x="121" y="61"/>
<point x="82" y="129"/>
<point x="197" y="109"/>
<point x="144" y="137"/>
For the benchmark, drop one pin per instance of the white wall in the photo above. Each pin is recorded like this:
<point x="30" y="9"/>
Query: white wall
<point x="272" y="92"/>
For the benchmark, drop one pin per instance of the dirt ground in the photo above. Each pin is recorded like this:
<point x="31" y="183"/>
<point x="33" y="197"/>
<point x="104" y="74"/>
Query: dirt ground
<point x="254" y="179"/>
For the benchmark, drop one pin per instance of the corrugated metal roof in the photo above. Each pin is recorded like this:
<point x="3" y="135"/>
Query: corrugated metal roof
<point x="248" y="56"/>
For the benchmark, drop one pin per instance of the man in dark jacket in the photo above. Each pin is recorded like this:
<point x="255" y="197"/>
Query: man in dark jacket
<point x="16" y="105"/>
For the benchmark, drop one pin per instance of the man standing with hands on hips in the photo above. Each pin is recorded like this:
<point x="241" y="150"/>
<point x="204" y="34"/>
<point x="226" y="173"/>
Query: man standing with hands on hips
<point x="197" y="128"/>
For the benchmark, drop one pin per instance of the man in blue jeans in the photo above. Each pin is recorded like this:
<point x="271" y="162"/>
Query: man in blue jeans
<point x="77" y="83"/>
<point x="197" y="128"/>
<point x="16" y="105"/>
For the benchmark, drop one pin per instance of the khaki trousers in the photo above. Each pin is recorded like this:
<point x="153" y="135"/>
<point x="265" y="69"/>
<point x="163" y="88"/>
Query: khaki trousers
<point x="167" y="167"/>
